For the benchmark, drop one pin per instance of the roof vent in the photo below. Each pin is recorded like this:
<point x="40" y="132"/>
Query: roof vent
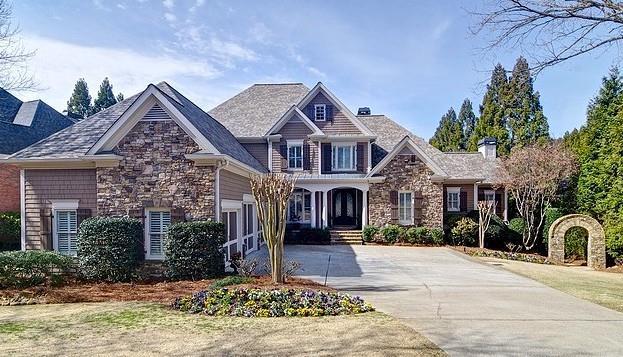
<point x="363" y="111"/>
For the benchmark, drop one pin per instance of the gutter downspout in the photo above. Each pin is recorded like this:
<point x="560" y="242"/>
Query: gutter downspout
<point x="217" y="192"/>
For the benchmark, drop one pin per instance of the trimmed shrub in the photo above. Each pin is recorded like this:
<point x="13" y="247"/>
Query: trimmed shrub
<point x="271" y="303"/>
<point x="551" y="214"/>
<point x="417" y="235"/>
<point x="230" y="280"/>
<point x="436" y="236"/>
<point x="308" y="236"/>
<point x="614" y="240"/>
<point x="392" y="233"/>
<point x="517" y="227"/>
<point x="109" y="249"/>
<point x="465" y="232"/>
<point x="194" y="250"/>
<point x="9" y="231"/>
<point x="576" y="240"/>
<point x="449" y="221"/>
<point x="23" y="269"/>
<point x="369" y="233"/>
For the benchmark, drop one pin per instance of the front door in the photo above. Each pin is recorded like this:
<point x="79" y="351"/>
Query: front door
<point x="344" y="208"/>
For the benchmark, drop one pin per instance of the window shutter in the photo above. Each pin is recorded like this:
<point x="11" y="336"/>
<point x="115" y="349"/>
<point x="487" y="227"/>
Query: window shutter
<point x="463" y="201"/>
<point x="360" y="157"/>
<point x="417" y="207"/>
<point x="329" y="112"/>
<point x="82" y="214"/>
<point x="326" y="158"/>
<point x="311" y="112"/>
<point x="306" y="157"/>
<point x="283" y="151"/>
<point x="498" y="204"/>
<point x="45" y="230"/>
<point x="178" y="215"/>
<point x="445" y="200"/>
<point x="393" y="200"/>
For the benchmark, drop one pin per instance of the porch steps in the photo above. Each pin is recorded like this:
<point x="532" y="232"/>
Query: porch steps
<point x="345" y="236"/>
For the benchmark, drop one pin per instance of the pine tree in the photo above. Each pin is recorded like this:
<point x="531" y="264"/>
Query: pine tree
<point x="467" y="121"/>
<point x="526" y="122"/>
<point x="105" y="97"/>
<point x="120" y="97"/>
<point x="492" y="120"/>
<point x="448" y="135"/>
<point x="80" y="101"/>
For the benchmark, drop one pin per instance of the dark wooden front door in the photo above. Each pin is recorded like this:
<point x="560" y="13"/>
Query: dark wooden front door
<point x="344" y="208"/>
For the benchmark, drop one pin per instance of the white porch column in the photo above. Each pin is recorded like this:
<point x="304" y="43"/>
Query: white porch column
<point x="325" y="212"/>
<point x="475" y="196"/>
<point x="505" y="204"/>
<point x="364" y="210"/>
<point x="313" y="209"/>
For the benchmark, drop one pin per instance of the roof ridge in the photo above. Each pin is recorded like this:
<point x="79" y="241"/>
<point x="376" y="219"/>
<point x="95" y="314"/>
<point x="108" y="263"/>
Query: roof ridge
<point x="279" y="84"/>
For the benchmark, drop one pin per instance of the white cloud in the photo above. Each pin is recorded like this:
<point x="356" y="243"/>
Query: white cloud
<point x="169" y="4"/>
<point x="316" y="72"/>
<point x="57" y="65"/>
<point x="121" y="6"/>
<point x="441" y="28"/>
<point x="170" y="17"/>
<point x="99" y="4"/>
<point x="224" y="52"/>
<point x="198" y="4"/>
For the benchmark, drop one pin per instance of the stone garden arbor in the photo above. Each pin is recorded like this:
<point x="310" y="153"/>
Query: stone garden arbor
<point x="596" y="240"/>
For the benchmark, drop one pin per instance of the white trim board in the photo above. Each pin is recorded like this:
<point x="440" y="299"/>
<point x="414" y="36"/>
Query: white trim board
<point x="288" y="115"/>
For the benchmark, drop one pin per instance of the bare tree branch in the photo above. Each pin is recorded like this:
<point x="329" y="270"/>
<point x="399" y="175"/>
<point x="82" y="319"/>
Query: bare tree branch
<point x="552" y="31"/>
<point x="14" y="74"/>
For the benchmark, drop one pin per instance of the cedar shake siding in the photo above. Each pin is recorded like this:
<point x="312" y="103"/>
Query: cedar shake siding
<point x="233" y="186"/>
<point x="403" y="173"/>
<point x="338" y="124"/>
<point x="42" y="186"/>
<point x="258" y="151"/>
<point x="154" y="172"/>
<point x="295" y="129"/>
<point x="9" y="188"/>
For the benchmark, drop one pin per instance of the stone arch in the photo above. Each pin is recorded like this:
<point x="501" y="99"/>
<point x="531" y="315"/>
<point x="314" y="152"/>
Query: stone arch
<point x="596" y="239"/>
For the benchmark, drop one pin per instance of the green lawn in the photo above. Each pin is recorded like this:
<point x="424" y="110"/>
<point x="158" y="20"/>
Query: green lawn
<point x="600" y="287"/>
<point x="151" y="329"/>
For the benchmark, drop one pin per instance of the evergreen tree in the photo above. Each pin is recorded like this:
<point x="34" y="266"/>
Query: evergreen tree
<point x="467" y="121"/>
<point x="105" y="97"/>
<point x="448" y="134"/>
<point x="492" y="120"/>
<point x="120" y="97"/>
<point x="80" y="101"/>
<point x="526" y="122"/>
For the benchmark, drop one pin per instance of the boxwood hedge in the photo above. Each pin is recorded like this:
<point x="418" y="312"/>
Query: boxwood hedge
<point x="110" y="249"/>
<point x="23" y="269"/>
<point x="194" y="250"/>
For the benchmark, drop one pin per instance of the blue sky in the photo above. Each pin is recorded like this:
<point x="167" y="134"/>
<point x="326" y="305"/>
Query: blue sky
<point x="411" y="60"/>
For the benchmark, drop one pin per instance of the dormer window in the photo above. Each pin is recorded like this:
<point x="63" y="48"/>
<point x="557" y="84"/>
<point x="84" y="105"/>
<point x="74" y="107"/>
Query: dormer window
<point x="320" y="112"/>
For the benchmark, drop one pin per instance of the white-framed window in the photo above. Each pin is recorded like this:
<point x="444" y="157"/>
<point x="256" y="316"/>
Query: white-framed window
<point x="490" y="196"/>
<point x="158" y="221"/>
<point x="454" y="199"/>
<point x="405" y="207"/>
<point x="295" y="155"/>
<point x="66" y="231"/>
<point x="320" y="112"/>
<point x="344" y="157"/>
<point x="299" y="207"/>
<point x="229" y="219"/>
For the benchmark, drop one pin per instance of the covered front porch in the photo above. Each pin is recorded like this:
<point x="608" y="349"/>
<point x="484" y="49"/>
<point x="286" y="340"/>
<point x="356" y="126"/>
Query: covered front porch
<point x="334" y="206"/>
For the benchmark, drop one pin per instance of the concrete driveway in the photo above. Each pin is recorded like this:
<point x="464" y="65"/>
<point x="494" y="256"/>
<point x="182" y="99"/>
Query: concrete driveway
<point x="465" y="307"/>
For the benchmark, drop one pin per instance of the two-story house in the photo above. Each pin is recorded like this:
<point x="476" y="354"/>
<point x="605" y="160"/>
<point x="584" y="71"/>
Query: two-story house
<point x="158" y="157"/>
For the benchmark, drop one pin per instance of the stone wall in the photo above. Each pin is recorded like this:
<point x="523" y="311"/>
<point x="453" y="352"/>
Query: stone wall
<point x="155" y="173"/>
<point x="596" y="258"/>
<point x="402" y="174"/>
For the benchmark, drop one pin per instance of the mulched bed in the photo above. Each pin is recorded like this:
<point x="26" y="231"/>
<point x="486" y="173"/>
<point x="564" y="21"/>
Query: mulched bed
<point x="160" y="292"/>
<point x="490" y="253"/>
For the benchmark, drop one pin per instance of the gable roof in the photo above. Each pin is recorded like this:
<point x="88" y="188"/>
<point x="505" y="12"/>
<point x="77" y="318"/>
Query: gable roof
<point x="457" y="166"/>
<point x="252" y="112"/>
<point x="24" y="123"/>
<point x="294" y="110"/>
<point x="76" y="141"/>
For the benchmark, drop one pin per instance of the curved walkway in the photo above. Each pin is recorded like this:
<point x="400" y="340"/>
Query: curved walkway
<point x="466" y="307"/>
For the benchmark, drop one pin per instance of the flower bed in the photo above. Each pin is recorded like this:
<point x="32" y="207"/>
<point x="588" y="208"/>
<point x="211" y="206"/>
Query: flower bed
<point x="271" y="303"/>
<point x="523" y="257"/>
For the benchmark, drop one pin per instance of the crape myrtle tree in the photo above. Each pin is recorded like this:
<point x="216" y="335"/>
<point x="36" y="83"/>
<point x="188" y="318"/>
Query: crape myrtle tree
<point x="533" y="175"/>
<point x="272" y="192"/>
<point x="486" y="209"/>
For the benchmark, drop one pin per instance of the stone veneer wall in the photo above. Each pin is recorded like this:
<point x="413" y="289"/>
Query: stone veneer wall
<point x="400" y="174"/>
<point x="155" y="173"/>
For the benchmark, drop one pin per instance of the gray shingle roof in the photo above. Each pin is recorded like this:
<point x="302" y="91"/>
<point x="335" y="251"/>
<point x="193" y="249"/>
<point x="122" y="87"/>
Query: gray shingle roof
<point x="25" y="123"/>
<point x="254" y="110"/>
<point x="76" y="141"/>
<point x="469" y="166"/>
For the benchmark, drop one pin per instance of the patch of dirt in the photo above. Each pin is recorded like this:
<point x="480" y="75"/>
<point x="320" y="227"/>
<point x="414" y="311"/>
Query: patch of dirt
<point x="160" y="292"/>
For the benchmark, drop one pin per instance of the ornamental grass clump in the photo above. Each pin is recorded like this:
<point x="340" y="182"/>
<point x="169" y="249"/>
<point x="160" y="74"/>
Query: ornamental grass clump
<point x="271" y="303"/>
